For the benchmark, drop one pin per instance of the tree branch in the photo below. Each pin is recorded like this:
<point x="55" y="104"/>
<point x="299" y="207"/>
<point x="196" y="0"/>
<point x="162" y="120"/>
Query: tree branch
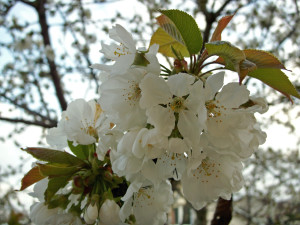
<point x="210" y="16"/>
<point x="40" y="8"/>
<point x="85" y="54"/>
<point x="223" y="212"/>
<point x="25" y="108"/>
<point x="44" y="124"/>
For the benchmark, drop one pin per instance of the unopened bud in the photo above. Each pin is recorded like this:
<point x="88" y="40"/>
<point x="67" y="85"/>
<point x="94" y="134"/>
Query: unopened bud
<point x="91" y="214"/>
<point x="180" y="65"/>
<point x="109" y="213"/>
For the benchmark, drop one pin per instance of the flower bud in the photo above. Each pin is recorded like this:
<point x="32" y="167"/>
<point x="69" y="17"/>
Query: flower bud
<point x="109" y="213"/>
<point x="91" y="214"/>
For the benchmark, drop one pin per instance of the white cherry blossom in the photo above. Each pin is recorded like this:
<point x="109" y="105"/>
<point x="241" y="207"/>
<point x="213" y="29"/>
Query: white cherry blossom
<point x="119" y="99"/>
<point x="216" y="176"/>
<point x="149" y="205"/>
<point x="231" y="128"/>
<point x="175" y="106"/>
<point x="125" y="52"/>
<point x="79" y="124"/>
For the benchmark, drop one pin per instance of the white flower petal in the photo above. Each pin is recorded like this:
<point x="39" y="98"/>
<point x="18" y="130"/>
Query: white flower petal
<point x="213" y="85"/>
<point x="180" y="84"/>
<point x="149" y="205"/>
<point x="233" y="95"/>
<point x="154" y="91"/>
<point x="161" y="118"/>
<point x="216" y="176"/>
<point x="177" y="145"/>
<point x="119" y="98"/>
<point x="121" y="35"/>
<point x="189" y="127"/>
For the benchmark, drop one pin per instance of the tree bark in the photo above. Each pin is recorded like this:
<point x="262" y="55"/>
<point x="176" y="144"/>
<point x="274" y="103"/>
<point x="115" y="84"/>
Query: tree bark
<point x="40" y="8"/>
<point x="223" y="212"/>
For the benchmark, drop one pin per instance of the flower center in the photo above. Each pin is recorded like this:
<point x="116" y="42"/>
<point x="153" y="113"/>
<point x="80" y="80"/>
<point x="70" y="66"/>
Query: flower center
<point x="208" y="168"/>
<point x="121" y="50"/>
<point x="91" y="131"/>
<point x="177" y="104"/>
<point x="135" y="92"/>
<point x="144" y="196"/>
<point x="214" y="110"/>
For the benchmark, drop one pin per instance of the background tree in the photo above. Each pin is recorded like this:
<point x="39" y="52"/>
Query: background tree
<point x="46" y="51"/>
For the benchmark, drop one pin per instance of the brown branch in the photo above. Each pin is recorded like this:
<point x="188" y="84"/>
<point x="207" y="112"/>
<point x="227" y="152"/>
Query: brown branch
<point x="28" y="3"/>
<point x="26" y="109"/>
<point x="39" y="6"/>
<point x="44" y="124"/>
<point x="210" y="17"/>
<point x="219" y="11"/>
<point x="288" y="35"/>
<point x="85" y="54"/>
<point x="223" y="212"/>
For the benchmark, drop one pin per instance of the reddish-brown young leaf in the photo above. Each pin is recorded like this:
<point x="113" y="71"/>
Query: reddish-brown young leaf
<point x="263" y="59"/>
<point x="223" y="22"/>
<point x="31" y="177"/>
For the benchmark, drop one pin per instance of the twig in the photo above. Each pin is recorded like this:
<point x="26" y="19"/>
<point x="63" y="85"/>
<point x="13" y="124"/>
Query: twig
<point x="36" y="123"/>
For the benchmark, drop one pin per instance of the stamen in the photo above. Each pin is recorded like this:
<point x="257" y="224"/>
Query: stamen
<point x="178" y="104"/>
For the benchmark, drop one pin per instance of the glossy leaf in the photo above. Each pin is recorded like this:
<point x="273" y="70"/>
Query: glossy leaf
<point x="54" y="185"/>
<point x="223" y="22"/>
<point x="56" y="170"/>
<point x="53" y="156"/>
<point x="165" y="41"/>
<point x="263" y="59"/>
<point x="140" y="59"/>
<point x="81" y="151"/>
<point x="276" y="79"/>
<point x="31" y="177"/>
<point x="230" y="55"/>
<point x="58" y="200"/>
<point x="183" y="28"/>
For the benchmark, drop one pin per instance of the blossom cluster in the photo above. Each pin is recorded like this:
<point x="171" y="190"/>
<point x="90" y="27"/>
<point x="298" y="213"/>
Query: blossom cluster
<point x="151" y="126"/>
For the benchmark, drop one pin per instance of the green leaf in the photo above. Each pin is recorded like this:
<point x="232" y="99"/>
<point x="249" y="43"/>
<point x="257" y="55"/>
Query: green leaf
<point x="57" y="170"/>
<point x="140" y="59"/>
<point x="54" y="185"/>
<point x="276" y="79"/>
<point x="183" y="28"/>
<point x="54" y="156"/>
<point x="81" y="151"/>
<point x="31" y="177"/>
<point x="165" y="41"/>
<point x="231" y="55"/>
<point x="58" y="201"/>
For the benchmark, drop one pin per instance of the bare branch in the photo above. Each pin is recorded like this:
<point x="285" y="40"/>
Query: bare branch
<point x="85" y="54"/>
<point x="25" y="108"/>
<point x="220" y="10"/>
<point x="223" y="212"/>
<point x="52" y="66"/>
<point x="44" y="124"/>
